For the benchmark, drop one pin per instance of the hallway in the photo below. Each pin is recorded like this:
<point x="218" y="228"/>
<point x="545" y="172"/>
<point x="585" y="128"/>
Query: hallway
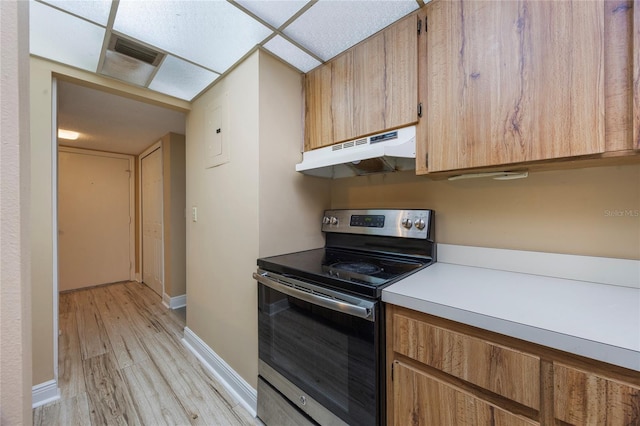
<point x="121" y="361"/>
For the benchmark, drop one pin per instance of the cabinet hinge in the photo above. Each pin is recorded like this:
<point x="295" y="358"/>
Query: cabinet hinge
<point x="392" y="364"/>
<point x="419" y="26"/>
<point x="426" y="160"/>
<point x="420" y="109"/>
<point x="425" y="24"/>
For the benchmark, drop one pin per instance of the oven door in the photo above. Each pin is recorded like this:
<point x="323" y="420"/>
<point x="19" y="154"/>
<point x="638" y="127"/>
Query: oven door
<point x="320" y="349"/>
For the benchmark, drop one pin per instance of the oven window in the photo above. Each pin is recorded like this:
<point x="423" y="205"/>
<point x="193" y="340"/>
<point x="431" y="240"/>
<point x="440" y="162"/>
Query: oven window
<point x="329" y="355"/>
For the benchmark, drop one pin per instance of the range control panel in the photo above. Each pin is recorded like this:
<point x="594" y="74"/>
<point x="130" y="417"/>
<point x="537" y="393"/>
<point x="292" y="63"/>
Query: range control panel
<point x="383" y="222"/>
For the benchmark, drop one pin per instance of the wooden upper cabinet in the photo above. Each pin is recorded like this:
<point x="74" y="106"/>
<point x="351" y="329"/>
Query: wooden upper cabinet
<point x="386" y="79"/>
<point x="318" y="123"/>
<point x="370" y="88"/>
<point x="636" y="75"/>
<point x="511" y="82"/>
<point x="618" y="71"/>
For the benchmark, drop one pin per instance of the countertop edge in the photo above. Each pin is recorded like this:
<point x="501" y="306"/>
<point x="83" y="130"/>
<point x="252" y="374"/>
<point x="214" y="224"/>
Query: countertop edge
<point x="595" y="350"/>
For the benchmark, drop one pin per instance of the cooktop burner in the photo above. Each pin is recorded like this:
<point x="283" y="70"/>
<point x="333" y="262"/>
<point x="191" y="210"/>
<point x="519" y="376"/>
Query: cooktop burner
<point x="356" y="267"/>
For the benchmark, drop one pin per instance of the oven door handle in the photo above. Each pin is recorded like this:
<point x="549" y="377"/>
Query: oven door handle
<point x="366" y="312"/>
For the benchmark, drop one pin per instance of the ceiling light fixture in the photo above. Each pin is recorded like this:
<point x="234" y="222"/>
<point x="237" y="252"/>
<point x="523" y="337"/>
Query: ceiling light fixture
<point x="68" y="134"/>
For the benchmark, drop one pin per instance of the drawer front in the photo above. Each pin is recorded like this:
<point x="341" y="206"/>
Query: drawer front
<point x="504" y="371"/>
<point x="443" y="404"/>
<point x="583" y="398"/>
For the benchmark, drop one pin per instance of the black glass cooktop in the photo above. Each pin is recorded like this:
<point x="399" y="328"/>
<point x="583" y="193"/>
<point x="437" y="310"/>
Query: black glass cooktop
<point x="357" y="272"/>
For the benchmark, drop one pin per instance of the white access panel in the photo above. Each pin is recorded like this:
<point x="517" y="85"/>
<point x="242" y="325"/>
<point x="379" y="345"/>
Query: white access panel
<point x="216" y="132"/>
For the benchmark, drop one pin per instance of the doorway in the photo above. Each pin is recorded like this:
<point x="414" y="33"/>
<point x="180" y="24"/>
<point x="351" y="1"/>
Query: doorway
<point x="96" y="236"/>
<point x="152" y="223"/>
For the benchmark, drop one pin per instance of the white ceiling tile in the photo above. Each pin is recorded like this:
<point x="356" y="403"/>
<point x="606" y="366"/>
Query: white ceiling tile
<point x="126" y="68"/>
<point x="331" y="26"/>
<point x="275" y="12"/>
<point x="64" y="38"/>
<point x="287" y="51"/>
<point x="214" y="34"/>
<point x="94" y="10"/>
<point x="181" y="79"/>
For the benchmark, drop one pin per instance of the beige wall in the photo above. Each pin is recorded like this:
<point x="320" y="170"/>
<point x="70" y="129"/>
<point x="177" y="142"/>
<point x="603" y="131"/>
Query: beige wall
<point x="592" y="211"/>
<point x="232" y="229"/>
<point x="174" y="221"/>
<point x="41" y="222"/>
<point x="15" y="280"/>
<point x="290" y="203"/>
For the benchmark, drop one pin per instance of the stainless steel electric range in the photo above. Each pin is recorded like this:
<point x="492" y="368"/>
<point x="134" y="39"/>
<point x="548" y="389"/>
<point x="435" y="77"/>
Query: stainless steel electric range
<point x="321" y="321"/>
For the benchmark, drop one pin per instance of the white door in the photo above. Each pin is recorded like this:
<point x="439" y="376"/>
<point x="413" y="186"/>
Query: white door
<point x="94" y="218"/>
<point x="152" y="248"/>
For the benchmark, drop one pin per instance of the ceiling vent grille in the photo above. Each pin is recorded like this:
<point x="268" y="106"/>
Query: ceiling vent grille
<point x="135" y="50"/>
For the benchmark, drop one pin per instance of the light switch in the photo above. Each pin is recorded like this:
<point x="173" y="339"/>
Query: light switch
<point x="194" y="214"/>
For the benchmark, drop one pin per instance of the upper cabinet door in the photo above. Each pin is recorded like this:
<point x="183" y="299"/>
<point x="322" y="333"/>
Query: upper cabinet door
<point x="318" y="122"/>
<point x="636" y="75"/>
<point x="386" y="79"/>
<point x="512" y="82"/>
<point x="368" y="89"/>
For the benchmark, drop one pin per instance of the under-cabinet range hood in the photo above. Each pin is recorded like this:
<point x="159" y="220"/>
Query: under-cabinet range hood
<point x="385" y="152"/>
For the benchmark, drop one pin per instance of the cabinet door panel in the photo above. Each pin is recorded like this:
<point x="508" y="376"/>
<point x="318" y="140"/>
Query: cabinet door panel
<point x="514" y="81"/>
<point x="636" y="75"/>
<point x="583" y="398"/>
<point x="505" y="371"/>
<point x="618" y="63"/>
<point x="386" y="79"/>
<point x="318" y="123"/>
<point x="424" y="400"/>
<point x="342" y="97"/>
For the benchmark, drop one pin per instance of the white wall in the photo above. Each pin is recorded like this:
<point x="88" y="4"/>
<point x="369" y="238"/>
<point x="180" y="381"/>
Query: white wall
<point x="15" y="280"/>
<point x="241" y="204"/>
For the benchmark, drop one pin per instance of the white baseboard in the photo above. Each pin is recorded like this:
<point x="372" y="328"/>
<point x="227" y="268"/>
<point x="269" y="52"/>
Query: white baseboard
<point x="237" y="387"/>
<point x="174" y="302"/>
<point x="44" y="393"/>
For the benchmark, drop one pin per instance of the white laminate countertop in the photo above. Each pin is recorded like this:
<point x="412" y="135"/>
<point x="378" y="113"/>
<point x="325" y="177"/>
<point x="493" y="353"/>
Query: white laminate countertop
<point x="599" y="321"/>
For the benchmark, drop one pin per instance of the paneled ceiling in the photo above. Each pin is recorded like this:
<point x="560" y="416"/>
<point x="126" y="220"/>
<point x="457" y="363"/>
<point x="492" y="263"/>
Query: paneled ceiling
<point x="180" y="48"/>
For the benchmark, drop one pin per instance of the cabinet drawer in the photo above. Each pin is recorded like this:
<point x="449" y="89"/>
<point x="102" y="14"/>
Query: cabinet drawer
<point x="506" y="372"/>
<point x="434" y="402"/>
<point x="584" y="398"/>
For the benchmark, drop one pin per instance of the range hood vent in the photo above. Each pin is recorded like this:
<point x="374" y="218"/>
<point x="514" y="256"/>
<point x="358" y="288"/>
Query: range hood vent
<point x="135" y="50"/>
<point x="382" y="153"/>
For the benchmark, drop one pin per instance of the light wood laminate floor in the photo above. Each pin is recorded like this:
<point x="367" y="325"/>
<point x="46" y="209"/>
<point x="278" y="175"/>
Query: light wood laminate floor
<point x="121" y="361"/>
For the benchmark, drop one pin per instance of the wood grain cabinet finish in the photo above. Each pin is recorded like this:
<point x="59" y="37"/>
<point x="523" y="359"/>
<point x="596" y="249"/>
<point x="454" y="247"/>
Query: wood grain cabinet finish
<point x="504" y="371"/>
<point x="425" y="400"/>
<point x="618" y="73"/>
<point x="512" y="82"/>
<point x="636" y="74"/>
<point x="318" y="116"/>
<point x="370" y="88"/>
<point x="585" y="398"/>
<point x="440" y="372"/>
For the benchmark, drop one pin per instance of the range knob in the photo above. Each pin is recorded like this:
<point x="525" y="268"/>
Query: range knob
<point x="333" y="220"/>
<point x="326" y="220"/>
<point x="419" y="224"/>
<point x="407" y="223"/>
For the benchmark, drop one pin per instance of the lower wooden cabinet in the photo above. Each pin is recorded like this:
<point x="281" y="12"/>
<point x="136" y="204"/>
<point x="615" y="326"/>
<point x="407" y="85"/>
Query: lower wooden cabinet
<point x="425" y="400"/>
<point x="584" y="398"/>
<point x="441" y="372"/>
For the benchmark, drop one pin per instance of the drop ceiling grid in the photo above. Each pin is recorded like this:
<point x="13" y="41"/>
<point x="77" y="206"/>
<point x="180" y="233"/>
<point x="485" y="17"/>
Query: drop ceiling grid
<point x="203" y="40"/>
